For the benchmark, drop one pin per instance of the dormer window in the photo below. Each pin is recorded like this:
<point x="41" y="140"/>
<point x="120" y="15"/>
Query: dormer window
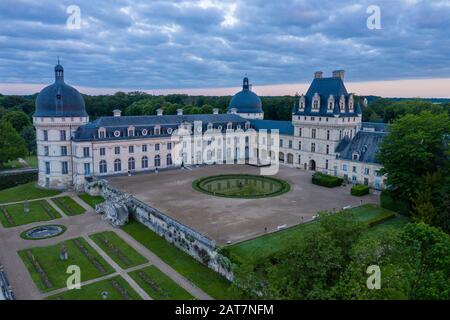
<point x="229" y="126"/>
<point x="351" y="103"/>
<point x="355" y="156"/>
<point x="131" y="132"/>
<point x="342" y="104"/>
<point x="301" y="106"/>
<point x="316" y="102"/>
<point x="157" y="130"/>
<point x="58" y="96"/>
<point x="101" y="133"/>
<point x="330" y="103"/>
<point x="210" y="126"/>
<point x="247" y="125"/>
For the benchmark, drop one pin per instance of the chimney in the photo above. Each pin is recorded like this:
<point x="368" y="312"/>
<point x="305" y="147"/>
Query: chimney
<point x="215" y="110"/>
<point x="338" y="74"/>
<point x="318" y="75"/>
<point x="117" y="112"/>
<point x="233" y="110"/>
<point x="159" y="112"/>
<point x="179" y="112"/>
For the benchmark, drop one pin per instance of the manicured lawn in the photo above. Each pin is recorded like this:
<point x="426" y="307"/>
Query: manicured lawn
<point x="68" y="206"/>
<point x="91" y="200"/>
<point x="122" y="253"/>
<point x="158" y="285"/>
<point x="13" y="215"/>
<point x="27" y="191"/>
<point x="54" y="270"/>
<point x="203" y="277"/>
<point x="94" y="291"/>
<point x="265" y="246"/>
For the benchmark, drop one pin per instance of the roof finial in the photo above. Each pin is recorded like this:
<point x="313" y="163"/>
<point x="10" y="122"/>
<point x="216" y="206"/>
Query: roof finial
<point x="58" y="59"/>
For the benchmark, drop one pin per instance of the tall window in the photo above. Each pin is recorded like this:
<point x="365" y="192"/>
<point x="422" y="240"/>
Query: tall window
<point x="290" y="144"/>
<point x="144" y="148"/>
<point x="62" y="135"/>
<point x="102" y="167"/>
<point x="328" y="149"/>
<point x="131" y="163"/>
<point x="46" y="152"/>
<point x="45" y="132"/>
<point x="299" y="145"/>
<point x="64" y="167"/>
<point x="313" y="133"/>
<point x="63" y="150"/>
<point x="117" y="165"/>
<point x="116" y="150"/>
<point x="102" y="151"/>
<point x="130" y="149"/>
<point x="157" y="161"/>
<point x="328" y="134"/>
<point x="299" y="132"/>
<point x="326" y="164"/>
<point x="144" y="162"/>
<point x="157" y="147"/>
<point x="281" y="143"/>
<point x="169" y="159"/>
<point x="169" y="146"/>
<point x="313" y="147"/>
<point x="86" y="152"/>
<point x="47" y="167"/>
<point x="87" y="169"/>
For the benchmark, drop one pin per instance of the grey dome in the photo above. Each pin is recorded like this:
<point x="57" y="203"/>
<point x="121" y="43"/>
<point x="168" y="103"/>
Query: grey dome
<point x="59" y="99"/>
<point x="245" y="101"/>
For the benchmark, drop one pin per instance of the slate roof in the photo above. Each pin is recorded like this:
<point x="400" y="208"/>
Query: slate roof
<point x="59" y="99"/>
<point x="364" y="143"/>
<point x="246" y="101"/>
<point x="284" y="127"/>
<point x="325" y="87"/>
<point x="89" y="131"/>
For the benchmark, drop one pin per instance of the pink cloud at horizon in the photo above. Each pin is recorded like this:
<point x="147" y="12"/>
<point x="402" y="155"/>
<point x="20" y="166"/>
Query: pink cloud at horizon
<point x="414" y="88"/>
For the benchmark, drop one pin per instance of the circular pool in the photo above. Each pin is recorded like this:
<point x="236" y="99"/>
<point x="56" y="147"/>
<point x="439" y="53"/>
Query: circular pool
<point x="43" y="232"/>
<point x="241" y="186"/>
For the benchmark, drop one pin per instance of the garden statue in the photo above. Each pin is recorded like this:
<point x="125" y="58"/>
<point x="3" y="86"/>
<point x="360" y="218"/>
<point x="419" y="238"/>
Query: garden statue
<point x="105" y="295"/>
<point x="26" y="207"/>
<point x="63" y="255"/>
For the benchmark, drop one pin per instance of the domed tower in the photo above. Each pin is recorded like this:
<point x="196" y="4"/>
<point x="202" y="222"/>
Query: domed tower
<point x="246" y="103"/>
<point x="59" y="111"/>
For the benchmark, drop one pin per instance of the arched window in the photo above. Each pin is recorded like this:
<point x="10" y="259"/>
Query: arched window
<point x="144" y="162"/>
<point x="169" y="159"/>
<point x="117" y="165"/>
<point x="102" y="166"/>
<point x="131" y="163"/>
<point x="157" y="161"/>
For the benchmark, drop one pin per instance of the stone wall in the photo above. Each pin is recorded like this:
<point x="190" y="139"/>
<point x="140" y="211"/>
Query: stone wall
<point x="197" y="245"/>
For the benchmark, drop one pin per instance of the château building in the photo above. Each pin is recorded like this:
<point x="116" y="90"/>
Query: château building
<point x="326" y="134"/>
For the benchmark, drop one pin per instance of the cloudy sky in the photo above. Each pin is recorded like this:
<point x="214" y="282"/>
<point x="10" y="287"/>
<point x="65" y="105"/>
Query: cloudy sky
<point x="207" y="46"/>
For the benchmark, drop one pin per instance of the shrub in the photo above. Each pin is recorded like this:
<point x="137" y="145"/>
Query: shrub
<point x="12" y="180"/>
<point x="380" y="219"/>
<point x="326" y="180"/>
<point x="389" y="200"/>
<point x="359" y="190"/>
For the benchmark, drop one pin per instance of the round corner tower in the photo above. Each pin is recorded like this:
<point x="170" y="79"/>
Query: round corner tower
<point x="59" y="111"/>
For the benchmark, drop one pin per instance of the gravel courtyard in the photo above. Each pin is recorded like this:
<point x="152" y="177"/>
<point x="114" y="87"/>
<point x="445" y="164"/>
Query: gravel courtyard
<point x="235" y="220"/>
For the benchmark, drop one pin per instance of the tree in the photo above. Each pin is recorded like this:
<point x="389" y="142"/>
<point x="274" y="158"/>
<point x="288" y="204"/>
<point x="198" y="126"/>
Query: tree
<point x="29" y="135"/>
<point x="12" y="145"/>
<point x="414" y="147"/>
<point x="18" y="120"/>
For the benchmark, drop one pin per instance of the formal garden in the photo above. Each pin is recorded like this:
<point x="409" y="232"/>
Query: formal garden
<point x="27" y="212"/>
<point x="48" y="265"/>
<point x="241" y="186"/>
<point x="158" y="285"/>
<point x="69" y="206"/>
<point x="115" y="288"/>
<point x="118" y="250"/>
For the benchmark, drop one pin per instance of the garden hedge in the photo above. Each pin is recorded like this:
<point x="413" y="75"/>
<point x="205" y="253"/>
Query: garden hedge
<point x="389" y="200"/>
<point x="325" y="180"/>
<point x="12" y="180"/>
<point x="359" y="190"/>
